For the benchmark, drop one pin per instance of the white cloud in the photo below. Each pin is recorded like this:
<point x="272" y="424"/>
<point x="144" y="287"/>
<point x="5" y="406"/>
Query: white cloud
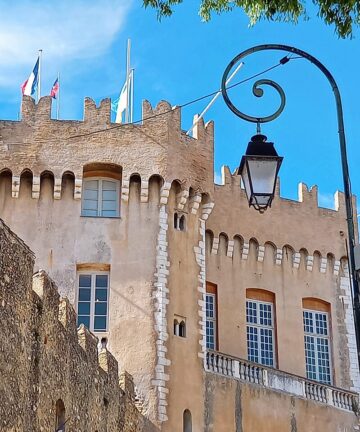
<point x="66" y="30"/>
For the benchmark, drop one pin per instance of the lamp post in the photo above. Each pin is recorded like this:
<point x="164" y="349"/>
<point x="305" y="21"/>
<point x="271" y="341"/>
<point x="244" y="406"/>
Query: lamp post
<point x="260" y="165"/>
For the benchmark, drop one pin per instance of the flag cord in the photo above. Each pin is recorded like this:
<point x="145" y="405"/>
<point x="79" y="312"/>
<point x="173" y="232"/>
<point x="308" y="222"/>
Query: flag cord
<point x="183" y="105"/>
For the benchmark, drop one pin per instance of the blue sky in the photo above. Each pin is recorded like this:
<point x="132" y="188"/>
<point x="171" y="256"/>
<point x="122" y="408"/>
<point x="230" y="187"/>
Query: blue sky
<point x="182" y="58"/>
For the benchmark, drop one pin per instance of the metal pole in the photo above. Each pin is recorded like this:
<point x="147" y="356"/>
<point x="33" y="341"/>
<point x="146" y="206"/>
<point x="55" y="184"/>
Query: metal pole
<point x="213" y="100"/>
<point x="127" y="113"/>
<point x="58" y="99"/>
<point x="343" y="151"/>
<point x="39" y="79"/>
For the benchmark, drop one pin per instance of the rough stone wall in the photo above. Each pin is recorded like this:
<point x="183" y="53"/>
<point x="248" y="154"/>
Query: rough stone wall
<point x="44" y="358"/>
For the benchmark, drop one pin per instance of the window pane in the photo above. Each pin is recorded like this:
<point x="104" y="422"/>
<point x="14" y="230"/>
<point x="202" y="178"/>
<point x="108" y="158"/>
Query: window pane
<point x="100" y="308"/>
<point x="321" y="324"/>
<point x="84" y="294"/>
<point x="84" y="320"/>
<point x="210" y="335"/>
<point x="308" y="322"/>
<point x="100" y="295"/>
<point x="323" y="360"/>
<point x="90" y="194"/>
<point x="252" y="344"/>
<point x="84" y="308"/>
<point x="251" y="312"/>
<point x="109" y="195"/>
<point x="267" y="352"/>
<point x="109" y="213"/>
<point x="89" y="213"/>
<point x="99" y="323"/>
<point x="265" y="314"/>
<point x="90" y="204"/>
<point x="108" y="185"/>
<point x="109" y="205"/>
<point x="210" y="306"/>
<point x="310" y="357"/>
<point x="101" y="281"/>
<point x="85" y="281"/>
<point x="91" y="184"/>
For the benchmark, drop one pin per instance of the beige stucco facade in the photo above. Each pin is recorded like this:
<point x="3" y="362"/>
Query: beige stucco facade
<point x="295" y="252"/>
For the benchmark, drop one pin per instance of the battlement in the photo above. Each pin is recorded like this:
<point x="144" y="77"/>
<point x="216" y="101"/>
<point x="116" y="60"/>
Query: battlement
<point x="302" y="224"/>
<point x="157" y="145"/>
<point x="51" y="359"/>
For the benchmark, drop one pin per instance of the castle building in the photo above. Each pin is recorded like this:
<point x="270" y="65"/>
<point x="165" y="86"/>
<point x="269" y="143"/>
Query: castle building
<point x="227" y="319"/>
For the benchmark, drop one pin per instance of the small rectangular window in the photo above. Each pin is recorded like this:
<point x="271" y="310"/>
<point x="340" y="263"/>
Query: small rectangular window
<point x="100" y="198"/>
<point x="317" y="346"/>
<point x="93" y="300"/>
<point x="260" y="332"/>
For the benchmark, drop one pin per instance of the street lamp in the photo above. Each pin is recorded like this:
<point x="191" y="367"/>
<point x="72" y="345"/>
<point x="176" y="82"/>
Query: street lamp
<point x="259" y="168"/>
<point x="256" y="172"/>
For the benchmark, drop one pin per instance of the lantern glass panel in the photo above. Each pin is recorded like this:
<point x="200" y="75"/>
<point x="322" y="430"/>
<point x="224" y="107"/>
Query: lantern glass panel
<point x="263" y="175"/>
<point x="246" y="181"/>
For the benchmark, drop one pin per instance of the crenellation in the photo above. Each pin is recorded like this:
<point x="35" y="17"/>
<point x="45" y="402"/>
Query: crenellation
<point x="89" y="343"/>
<point x="97" y="116"/>
<point x="67" y="316"/>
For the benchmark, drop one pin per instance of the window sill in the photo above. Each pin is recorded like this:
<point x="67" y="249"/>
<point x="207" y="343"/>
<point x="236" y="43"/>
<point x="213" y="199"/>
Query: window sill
<point x="102" y="217"/>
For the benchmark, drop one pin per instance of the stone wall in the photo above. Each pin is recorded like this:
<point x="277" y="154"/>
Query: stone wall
<point x="45" y="359"/>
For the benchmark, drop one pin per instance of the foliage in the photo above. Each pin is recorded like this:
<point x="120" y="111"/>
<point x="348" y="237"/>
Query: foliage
<point x="342" y="13"/>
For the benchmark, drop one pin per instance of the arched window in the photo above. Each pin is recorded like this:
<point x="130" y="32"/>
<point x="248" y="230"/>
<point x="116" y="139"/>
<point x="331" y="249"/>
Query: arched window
<point x="182" y="329"/>
<point x="182" y="223"/>
<point x="176" y="327"/>
<point x="179" y="222"/>
<point x="260" y="326"/>
<point x="60" y="416"/>
<point x="316" y="317"/>
<point x="187" y="422"/>
<point x="176" y="222"/>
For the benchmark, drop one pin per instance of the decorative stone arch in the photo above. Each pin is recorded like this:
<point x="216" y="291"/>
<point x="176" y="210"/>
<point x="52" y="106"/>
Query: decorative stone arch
<point x="209" y="239"/>
<point x="238" y="247"/>
<point x="223" y="244"/>
<point x="155" y="183"/>
<point x="47" y="184"/>
<point x="270" y="252"/>
<point x="68" y="184"/>
<point x="26" y="181"/>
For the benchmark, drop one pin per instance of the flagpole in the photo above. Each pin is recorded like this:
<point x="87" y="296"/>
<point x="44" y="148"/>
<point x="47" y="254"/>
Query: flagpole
<point x="58" y="99"/>
<point x="127" y="80"/>
<point x="132" y="96"/>
<point x="39" y="79"/>
<point x="214" y="98"/>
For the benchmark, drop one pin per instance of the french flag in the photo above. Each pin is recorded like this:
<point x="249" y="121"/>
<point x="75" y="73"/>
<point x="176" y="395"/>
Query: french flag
<point x="55" y="89"/>
<point x="29" y="87"/>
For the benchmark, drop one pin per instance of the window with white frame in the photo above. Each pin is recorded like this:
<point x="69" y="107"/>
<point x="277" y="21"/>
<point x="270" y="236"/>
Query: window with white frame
<point x="211" y="321"/>
<point x="260" y="332"/>
<point x="100" y="197"/>
<point x="93" y="300"/>
<point x="317" y="346"/>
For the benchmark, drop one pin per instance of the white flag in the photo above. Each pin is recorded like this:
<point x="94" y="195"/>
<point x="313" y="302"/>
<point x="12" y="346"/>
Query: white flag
<point x="122" y="103"/>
